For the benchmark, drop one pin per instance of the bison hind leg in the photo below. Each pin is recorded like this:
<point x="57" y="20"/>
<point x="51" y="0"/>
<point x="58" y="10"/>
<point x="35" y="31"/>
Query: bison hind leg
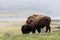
<point x="48" y="28"/>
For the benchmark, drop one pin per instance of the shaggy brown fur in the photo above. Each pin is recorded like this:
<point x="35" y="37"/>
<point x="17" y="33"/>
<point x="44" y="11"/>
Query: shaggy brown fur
<point x="37" y="22"/>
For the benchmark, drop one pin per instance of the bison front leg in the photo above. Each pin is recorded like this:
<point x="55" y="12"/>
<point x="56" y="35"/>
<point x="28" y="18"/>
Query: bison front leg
<point x="33" y="30"/>
<point x="48" y="28"/>
<point x="39" y="30"/>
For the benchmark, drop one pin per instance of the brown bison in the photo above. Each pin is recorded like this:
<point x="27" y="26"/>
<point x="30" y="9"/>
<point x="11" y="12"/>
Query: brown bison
<point x="36" y="22"/>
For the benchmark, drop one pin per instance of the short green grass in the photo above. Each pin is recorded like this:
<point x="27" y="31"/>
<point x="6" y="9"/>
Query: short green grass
<point x="36" y="36"/>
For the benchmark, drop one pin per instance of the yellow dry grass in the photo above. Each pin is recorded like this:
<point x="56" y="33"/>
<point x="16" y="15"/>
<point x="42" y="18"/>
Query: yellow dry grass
<point x="11" y="27"/>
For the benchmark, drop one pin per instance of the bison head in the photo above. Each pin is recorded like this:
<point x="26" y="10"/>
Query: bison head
<point x="25" y="29"/>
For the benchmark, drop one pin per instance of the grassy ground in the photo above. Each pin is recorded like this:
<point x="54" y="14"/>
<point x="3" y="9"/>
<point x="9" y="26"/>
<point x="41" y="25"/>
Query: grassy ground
<point x="11" y="30"/>
<point x="42" y="36"/>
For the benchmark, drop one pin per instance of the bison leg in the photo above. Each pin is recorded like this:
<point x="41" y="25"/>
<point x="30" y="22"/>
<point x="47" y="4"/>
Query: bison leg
<point x="39" y="30"/>
<point x="48" y="28"/>
<point x="33" y="30"/>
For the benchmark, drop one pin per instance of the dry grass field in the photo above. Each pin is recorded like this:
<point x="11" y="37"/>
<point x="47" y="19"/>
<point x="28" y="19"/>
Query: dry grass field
<point x="10" y="27"/>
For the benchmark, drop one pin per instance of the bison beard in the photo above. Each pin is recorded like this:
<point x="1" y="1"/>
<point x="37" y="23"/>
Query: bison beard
<point x="36" y="22"/>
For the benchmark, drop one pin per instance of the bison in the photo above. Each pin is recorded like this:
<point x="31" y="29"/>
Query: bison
<point x="36" y="22"/>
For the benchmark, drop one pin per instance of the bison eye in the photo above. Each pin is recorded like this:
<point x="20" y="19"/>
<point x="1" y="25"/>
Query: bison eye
<point x="27" y="21"/>
<point x="31" y="21"/>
